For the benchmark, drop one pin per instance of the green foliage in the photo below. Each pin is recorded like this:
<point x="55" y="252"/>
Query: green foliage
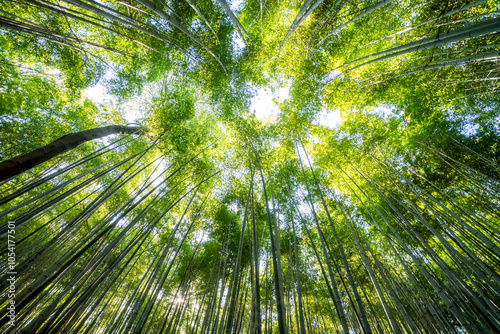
<point x="387" y="222"/>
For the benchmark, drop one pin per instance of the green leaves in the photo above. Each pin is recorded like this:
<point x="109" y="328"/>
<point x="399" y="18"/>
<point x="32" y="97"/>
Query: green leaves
<point x="384" y="222"/>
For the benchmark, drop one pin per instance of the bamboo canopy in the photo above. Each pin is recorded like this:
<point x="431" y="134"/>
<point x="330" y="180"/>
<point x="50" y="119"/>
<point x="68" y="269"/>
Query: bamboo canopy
<point x="202" y="217"/>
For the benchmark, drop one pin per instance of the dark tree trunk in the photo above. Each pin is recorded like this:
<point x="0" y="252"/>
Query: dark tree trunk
<point x="24" y="162"/>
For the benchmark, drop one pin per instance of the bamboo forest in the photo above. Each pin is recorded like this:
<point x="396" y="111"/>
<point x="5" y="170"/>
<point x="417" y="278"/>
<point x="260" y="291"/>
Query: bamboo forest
<point x="249" y="166"/>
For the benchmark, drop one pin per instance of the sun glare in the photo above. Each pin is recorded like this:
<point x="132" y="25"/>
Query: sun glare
<point x="265" y="103"/>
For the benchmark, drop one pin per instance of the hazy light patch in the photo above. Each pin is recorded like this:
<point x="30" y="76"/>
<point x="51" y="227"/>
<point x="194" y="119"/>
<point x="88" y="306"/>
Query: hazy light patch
<point x="131" y="111"/>
<point x="385" y="111"/>
<point x="238" y="42"/>
<point x="200" y="236"/>
<point x="178" y="300"/>
<point x="330" y="76"/>
<point x="329" y="119"/>
<point x="156" y="175"/>
<point x="98" y="94"/>
<point x="233" y="207"/>
<point x="265" y="103"/>
<point x="235" y="5"/>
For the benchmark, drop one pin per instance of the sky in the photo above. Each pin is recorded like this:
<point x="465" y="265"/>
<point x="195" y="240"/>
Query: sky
<point x="263" y="104"/>
<point x="98" y="94"/>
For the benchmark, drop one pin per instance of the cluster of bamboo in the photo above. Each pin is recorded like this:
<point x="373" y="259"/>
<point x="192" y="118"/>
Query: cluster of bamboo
<point x="97" y="264"/>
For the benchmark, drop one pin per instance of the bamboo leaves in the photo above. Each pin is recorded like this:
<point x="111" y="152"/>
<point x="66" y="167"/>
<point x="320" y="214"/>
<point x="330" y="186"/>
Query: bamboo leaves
<point x="380" y="224"/>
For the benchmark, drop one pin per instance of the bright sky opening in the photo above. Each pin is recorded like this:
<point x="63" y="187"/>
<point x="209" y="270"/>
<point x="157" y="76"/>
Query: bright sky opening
<point x="264" y="105"/>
